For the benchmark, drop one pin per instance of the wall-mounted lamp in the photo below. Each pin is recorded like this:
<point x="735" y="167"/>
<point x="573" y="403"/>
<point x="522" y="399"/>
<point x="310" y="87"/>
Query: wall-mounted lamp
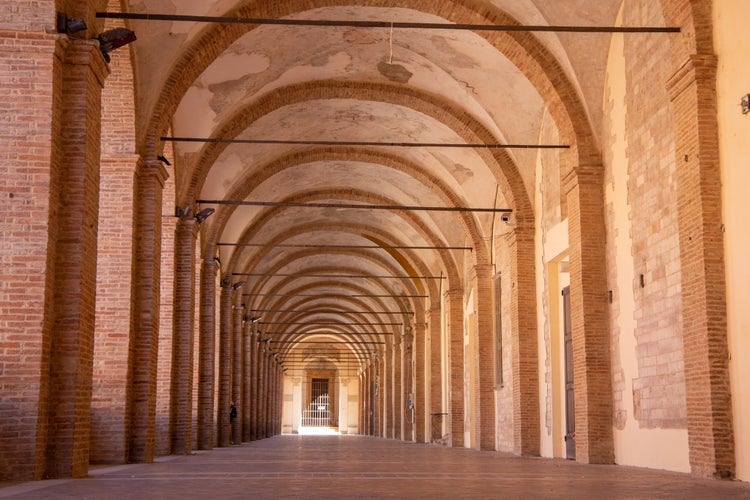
<point x="224" y="282"/>
<point x="69" y="25"/>
<point x="745" y="104"/>
<point x="204" y="214"/>
<point x="239" y="284"/>
<point x="114" y="39"/>
<point x="164" y="160"/>
<point x="181" y="212"/>
<point x="255" y="319"/>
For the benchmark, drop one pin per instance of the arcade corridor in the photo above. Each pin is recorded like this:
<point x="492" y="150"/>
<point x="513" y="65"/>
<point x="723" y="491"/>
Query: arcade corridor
<point x="488" y="242"/>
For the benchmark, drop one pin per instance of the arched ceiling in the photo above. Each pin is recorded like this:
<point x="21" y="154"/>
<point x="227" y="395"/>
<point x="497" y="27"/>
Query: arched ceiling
<point x="371" y="85"/>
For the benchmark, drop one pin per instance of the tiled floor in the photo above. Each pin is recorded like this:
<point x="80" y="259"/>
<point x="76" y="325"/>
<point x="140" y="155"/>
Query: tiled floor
<point x="347" y="467"/>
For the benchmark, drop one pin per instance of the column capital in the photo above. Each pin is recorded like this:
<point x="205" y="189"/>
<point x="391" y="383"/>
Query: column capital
<point x="698" y="67"/>
<point x="152" y="168"/>
<point x="583" y="174"/>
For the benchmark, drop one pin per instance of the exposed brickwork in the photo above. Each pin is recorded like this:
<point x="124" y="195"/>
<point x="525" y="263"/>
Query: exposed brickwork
<point x="420" y="400"/>
<point x="486" y="420"/>
<point x="206" y="355"/>
<point x="704" y="327"/>
<point x="74" y="302"/>
<point x="114" y="264"/>
<point x="237" y="396"/>
<point x="144" y="334"/>
<point x="524" y="347"/>
<point x="591" y="343"/>
<point x="454" y="306"/>
<point x="162" y="441"/>
<point x="225" y="364"/>
<point x="434" y="346"/>
<point x="181" y="395"/>
<point x="113" y="310"/>
<point x="28" y="194"/>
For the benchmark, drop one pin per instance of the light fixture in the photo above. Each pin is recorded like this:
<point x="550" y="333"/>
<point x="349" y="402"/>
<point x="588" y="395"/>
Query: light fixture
<point x="255" y="319"/>
<point x="69" y="25"/>
<point x="114" y="39"/>
<point x="164" y="160"/>
<point x="181" y="212"/>
<point x="239" y="284"/>
<point x="204" y="214"/>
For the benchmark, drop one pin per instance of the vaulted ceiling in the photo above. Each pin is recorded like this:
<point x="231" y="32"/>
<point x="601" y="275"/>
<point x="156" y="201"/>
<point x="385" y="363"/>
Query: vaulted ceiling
<point x="319" y="85"/>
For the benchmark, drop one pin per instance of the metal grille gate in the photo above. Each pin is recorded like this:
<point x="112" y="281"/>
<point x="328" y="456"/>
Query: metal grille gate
<point x="319" y="412"/>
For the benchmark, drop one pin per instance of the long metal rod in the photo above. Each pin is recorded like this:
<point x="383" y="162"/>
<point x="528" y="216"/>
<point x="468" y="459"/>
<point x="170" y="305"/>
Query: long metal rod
<point x="386" y="24"/>
<point x="371" y="247"/>
<point x="358" y="296"/>
<point x="359" y="206"/>
<point x="307" y="334"/>
<point x="286" y="142"/>
<point x="328" y="323"/>
<point x="353" y="276"/>
<point x="327" y="342"/>
<point x="321" y="311"/>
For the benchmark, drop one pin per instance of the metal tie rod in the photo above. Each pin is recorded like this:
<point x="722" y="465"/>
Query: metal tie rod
<point x="360" y="206"/>
<point x="310" y="142"/>
<point x="387" y="24"/>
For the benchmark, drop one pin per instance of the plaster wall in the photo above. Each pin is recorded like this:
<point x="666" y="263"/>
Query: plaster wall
<point x="733" y="81"/>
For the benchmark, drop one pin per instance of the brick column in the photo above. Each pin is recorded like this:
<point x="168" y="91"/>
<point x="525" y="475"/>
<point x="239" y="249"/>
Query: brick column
<point x="387" y="387"/>
<point x="206" y="356"/>
<point x="262" y="390"/>
<point x="486" y="419"/>
<point x="704" y="326"/>
<point x="380" y="399"/>
<point x="247" y="380"/>
<point x="588" y="303"/>
<point x="225" y="364"/>
<point x="408" y="384"/>
<point x="181" y="390"/>
<point x="435" y="365"/>
<point x="254" y="387"/>
<point x="455" y="307"/>
<point x="71" y="304"/>
<point x="420" y="390"/>
<point x="362" y="403"/>
<point x="524" y="348"/>
<point x="398" y="400"/>
<point x="237" y="380"/>
<point x="144" y="334"/>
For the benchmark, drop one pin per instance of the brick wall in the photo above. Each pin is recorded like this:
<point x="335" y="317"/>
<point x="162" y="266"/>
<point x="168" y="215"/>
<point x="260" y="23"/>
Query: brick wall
<point x="659" y="389"/>
<point x="114" y="266"/>
<point x="26" y="186"/>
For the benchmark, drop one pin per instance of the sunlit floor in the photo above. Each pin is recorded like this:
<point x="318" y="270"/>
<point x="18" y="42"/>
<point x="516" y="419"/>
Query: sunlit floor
<point x="318" y="431"/>
<point x="324" y="467"/>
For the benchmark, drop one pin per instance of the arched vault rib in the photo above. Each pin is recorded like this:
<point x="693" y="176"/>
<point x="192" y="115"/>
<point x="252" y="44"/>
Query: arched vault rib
<point x="498" y="161"/>
<point x="525" y="50"/>
<point x="356" y="229"/>
<point x="307" y="288"/>
<point x="267" y="217"/>
<point x="247" y="184"/>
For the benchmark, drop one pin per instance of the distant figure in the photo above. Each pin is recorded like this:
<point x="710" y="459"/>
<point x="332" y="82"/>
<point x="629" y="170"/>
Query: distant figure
<point x="232" y="416"/>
